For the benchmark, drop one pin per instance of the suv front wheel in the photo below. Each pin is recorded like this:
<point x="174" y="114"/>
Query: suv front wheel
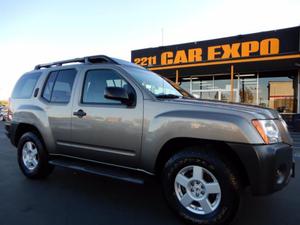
<point x="32" y="157"/>
<point x="201" y="187"/>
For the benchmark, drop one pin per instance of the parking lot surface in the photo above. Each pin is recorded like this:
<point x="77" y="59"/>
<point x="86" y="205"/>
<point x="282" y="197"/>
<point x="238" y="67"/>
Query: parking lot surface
<point x="70" y="198"/>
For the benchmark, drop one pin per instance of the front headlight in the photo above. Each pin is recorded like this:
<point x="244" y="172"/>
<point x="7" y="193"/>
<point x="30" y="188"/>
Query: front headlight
<point x="268" y="130"/>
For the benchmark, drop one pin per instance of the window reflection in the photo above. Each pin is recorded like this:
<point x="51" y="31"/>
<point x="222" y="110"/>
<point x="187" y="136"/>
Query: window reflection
<point x="275" y="92"/>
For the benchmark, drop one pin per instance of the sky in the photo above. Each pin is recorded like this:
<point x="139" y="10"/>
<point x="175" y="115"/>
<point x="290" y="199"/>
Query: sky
<point x="34" y="32"/>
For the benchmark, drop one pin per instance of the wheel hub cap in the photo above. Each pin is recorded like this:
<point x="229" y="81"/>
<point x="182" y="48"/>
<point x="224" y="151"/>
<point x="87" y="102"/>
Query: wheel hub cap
<point x="196" y="189"/>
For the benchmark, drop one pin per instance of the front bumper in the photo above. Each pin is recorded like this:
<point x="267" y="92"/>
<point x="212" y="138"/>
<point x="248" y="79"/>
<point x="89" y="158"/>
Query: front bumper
<point x="269" y="167"/>
<point x="10" y="131"/>
<point x="7" y="129"/>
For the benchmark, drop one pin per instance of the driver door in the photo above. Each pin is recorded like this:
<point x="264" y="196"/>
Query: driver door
<point x="109" y="131"/>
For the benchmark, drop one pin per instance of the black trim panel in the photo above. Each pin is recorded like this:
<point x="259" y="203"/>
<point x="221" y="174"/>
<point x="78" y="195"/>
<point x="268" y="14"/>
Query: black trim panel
<point x="262" y="162"/>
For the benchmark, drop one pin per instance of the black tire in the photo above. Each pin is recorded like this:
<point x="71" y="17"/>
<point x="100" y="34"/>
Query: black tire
<point x="223" y="172"/>
<point x="43" y="168"/>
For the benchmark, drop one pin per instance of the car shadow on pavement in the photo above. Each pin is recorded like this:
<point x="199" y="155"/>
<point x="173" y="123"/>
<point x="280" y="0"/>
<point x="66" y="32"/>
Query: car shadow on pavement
<point x="70" y="198"/>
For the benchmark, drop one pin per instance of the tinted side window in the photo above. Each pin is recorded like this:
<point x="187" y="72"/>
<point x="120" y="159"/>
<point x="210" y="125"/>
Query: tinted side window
<point x="49" y="85"/>
<point x="96" y="82"/>
<point x="59" y="86"/>
<point x="25" y="85"/>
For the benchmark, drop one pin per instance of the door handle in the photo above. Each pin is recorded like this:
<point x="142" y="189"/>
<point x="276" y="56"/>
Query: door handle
<point x="80" y="113"/>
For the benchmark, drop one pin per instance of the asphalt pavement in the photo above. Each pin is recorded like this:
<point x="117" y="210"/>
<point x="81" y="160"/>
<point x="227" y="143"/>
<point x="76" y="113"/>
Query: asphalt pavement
<point x="72" y="198"/>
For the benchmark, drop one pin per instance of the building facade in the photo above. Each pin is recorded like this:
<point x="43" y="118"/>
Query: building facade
<point x="260" y="68"/>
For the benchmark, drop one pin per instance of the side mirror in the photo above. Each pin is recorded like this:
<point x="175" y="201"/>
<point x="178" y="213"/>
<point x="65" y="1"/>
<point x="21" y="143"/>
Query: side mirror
<point x="119" y="94"/>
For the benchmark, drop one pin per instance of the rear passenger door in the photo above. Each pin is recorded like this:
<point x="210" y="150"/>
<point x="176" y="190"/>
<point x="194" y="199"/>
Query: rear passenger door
<point x="57" y="101"/>
<point x="110" y="131"/>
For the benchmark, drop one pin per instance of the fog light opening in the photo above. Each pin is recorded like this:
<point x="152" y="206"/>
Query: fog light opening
<point x="281" y="174"/>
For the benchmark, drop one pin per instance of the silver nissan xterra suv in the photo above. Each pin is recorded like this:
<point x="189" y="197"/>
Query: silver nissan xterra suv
<point x="113" y="118"/>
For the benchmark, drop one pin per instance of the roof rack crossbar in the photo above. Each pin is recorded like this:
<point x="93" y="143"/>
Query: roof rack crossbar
<point x="84" y="60"/>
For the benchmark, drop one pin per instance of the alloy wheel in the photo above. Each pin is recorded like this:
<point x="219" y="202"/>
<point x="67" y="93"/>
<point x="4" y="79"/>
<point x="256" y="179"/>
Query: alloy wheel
<point x="197" y="189"/>
<point x="30" y="155"/>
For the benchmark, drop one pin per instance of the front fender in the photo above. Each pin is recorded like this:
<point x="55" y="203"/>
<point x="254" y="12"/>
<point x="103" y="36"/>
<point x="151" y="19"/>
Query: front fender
<point x="212" y="126"/>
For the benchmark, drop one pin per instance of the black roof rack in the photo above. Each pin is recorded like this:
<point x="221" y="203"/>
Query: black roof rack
<point x="87" y="60"/>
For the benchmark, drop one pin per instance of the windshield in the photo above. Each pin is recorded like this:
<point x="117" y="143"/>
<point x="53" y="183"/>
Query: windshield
<point x="160" y="87"/>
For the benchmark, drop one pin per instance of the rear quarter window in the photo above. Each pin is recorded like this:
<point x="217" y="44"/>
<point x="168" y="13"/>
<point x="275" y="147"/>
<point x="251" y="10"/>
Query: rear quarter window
<point x="25" y="86"/>
<point x="59" y="84"/>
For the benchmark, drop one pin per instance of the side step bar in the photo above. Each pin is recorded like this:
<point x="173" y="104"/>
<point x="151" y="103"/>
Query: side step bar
<point x="118" y="173"/>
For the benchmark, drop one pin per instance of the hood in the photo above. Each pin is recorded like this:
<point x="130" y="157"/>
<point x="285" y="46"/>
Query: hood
<point x="267" y="113"/>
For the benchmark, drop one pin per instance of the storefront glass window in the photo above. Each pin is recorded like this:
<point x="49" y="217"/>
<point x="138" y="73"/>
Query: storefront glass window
<point x="210" y="87"/>
<point x="185" y="84"/>
<point x="272" y="92"/>
<point x="247" y="86"/>
<point x="277" y="93"/>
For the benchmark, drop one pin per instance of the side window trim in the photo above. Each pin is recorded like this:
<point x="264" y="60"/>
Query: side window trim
<point x="56" y="76"/>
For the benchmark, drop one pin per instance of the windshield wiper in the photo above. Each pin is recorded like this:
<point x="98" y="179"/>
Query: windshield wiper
<point x="167" y="96"/>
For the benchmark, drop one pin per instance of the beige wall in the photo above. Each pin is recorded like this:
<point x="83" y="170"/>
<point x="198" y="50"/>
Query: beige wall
<point x="281" y="94"/>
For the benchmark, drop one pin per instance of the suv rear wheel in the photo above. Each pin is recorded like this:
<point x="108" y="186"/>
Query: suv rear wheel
<point x="201" y="187"/>
<point x="32" y="157"/>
